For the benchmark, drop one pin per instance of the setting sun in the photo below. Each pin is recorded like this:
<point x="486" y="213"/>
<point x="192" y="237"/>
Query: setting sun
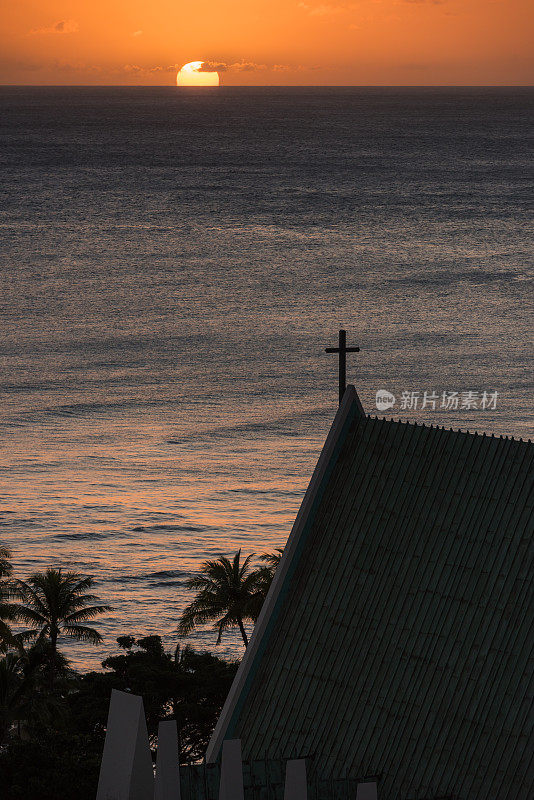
<point x="192" y="74"/>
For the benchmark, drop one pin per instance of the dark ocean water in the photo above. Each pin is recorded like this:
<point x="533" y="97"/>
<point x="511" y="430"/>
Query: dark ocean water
<point x="173" y="263"/>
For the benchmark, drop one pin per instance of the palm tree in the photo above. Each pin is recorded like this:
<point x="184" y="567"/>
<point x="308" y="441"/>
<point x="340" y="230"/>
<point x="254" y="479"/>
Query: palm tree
<point x="225" y="594"/>
<point x="272" y="559"/>
<point x="25" y="699"/>
<point x="265" y="576"/>
<point x="5" y="565"/>
<point x="13" y="693"/>
<point x="56" y="603"/>
<point x="6" y="634"/>
<point x="7" y="612"/>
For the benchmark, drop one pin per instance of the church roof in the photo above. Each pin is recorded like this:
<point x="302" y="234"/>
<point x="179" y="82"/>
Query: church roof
<point x="397" y="637"/>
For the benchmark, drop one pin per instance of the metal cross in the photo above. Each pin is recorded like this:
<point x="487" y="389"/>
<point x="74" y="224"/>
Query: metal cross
<point x="342" y="349"/>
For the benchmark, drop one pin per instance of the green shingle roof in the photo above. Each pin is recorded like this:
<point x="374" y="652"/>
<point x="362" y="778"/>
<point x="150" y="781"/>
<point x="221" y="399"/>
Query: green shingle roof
<point x="398" y="637"/>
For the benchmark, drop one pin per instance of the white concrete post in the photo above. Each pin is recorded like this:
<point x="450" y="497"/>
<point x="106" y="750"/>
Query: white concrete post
<point x="126" y="769"/>
<point x="296" y="787"/>
<point x="167" y="762"/>
<point x="231" y="786"/>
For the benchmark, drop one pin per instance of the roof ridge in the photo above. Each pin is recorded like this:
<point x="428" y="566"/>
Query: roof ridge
<point x="466" y="432"/>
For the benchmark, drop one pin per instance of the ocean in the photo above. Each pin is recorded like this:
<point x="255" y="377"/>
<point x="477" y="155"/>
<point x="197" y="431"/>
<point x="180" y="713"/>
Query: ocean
<point x="173" y="264"/>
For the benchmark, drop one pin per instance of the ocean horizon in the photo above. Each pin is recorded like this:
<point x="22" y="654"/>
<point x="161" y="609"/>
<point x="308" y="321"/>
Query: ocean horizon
<point x="174" y="264"/>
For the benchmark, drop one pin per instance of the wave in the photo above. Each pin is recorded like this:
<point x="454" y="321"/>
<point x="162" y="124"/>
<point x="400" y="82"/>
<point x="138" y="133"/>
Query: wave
<point x="164" y="584"/>
<point x="162" y="579"/>
<point x="167" y="573"/>
<point x="75" y="410"/>
<point x="126" y="579"/>
<point x="469" y="276"/>
<point x="285" y="423"/>
<point x="274" y="492"/>
<point x="92" y="535"/>
<point x="185" y="528"/>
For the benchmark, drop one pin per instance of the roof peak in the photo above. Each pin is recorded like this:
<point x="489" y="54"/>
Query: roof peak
<point x="352" y="396"/>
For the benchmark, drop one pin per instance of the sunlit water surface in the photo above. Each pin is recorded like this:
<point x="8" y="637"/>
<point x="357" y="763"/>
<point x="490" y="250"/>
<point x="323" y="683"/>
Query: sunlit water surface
<point x="173" y="263"/>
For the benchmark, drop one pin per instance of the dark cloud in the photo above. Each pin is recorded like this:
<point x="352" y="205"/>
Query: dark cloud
<point x="326" y="9"/>
<point x="213" y="66"/>
<point x="238" y="66"/>
<point x="217" y="66"/>
<point x="63" y="26"/>
<point x="10" y="65"/>
<point x="168" y="68"/>
<point x="94" y="69"/>
<point x="247" y="66"/>
<point x="138" y="70"/>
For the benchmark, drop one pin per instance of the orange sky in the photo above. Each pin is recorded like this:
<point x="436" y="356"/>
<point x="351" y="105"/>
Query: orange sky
<point x="258" y="42"/>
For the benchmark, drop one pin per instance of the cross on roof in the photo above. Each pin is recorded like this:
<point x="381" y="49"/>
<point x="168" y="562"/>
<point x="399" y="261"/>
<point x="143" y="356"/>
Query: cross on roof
<point x="342" y="349"/>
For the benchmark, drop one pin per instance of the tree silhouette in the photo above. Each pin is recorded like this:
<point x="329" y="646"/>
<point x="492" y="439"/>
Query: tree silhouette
<point x="265" y="575"/>
<point x="57" y="603"/>
<point x="7" y="610"/>
<point x="226" y="593"/>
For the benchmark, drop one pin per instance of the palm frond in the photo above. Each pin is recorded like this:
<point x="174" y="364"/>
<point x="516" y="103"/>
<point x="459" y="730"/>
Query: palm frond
<point x="196" y="614"/>
<point x="86" y="613"/>
<point x="82" y="583"/>
<point x="82" y="633"/>
<point x="24" y="590"/>
<point x="27" y="614"/>
<point x="55" y="601"/>
<point x="272" y="559"/>
<point x="221" y="625"/>
<point x="6" y="568"/>
<point x="227" y="593"/>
